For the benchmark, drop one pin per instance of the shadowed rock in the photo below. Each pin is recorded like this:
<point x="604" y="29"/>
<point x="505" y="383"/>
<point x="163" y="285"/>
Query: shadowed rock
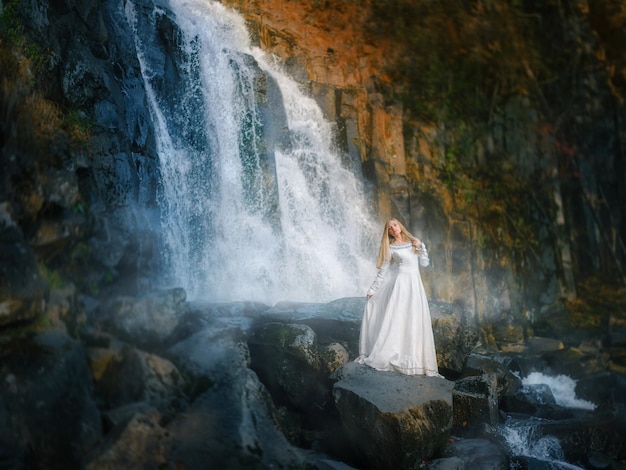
<point x="393" y="420"/>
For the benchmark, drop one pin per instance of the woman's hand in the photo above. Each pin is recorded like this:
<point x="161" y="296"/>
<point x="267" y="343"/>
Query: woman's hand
<point x="368" y="296"/>
<point x="417" y="244"/>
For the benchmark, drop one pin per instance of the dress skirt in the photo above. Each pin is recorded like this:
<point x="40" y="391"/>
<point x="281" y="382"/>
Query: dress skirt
<point x="396" y="333"/>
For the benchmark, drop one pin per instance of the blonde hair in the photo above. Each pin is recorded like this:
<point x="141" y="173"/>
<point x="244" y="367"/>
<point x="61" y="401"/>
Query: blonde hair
<point x="383" y="251"/>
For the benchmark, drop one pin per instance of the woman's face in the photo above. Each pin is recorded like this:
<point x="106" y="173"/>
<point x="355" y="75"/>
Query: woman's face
<point x="393" y="227"/>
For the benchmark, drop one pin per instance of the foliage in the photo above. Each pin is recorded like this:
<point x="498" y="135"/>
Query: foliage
<point x="37" y="135"/>
<point x="596" y="304"/>
<point x="10" y="23"/>
<point x="30" y="123"/>
<point x="28" y="329"/>
<point x="54" y="278"/>
<point x="459" y="56"/>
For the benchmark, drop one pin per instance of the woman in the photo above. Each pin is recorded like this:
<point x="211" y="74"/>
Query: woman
<point x="396" y="333"/>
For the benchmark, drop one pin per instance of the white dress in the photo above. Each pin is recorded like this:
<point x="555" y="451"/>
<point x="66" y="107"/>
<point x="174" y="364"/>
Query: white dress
<point x="396" y="333"/>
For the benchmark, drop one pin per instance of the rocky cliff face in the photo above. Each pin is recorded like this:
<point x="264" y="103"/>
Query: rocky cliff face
<point x="517" y="207"/>
<point x="500" y="198"/>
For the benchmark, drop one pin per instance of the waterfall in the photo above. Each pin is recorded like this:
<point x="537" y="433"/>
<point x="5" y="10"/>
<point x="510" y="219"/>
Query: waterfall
<point x="256" y="203"/>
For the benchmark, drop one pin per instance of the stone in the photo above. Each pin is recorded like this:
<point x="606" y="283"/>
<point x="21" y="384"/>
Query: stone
<point x="23" y="291"/>
<point x="456" y="334"/>
<point x="334" y="356"/>
<point x="478" y="453"/>
<point x="46" y="390"/>
<point x="475" y="401"/>
<point x="140" y="442"/>
<point x="130" y="375"/>
<point x="449" y="463"/>
<point x="528" y="399"/>
<point x="285" y="357"/>
<point x="149" y="319"/>
<point x="478" y="364"/>
<point x="394" y="421"/>
<point x="230" y="422"/>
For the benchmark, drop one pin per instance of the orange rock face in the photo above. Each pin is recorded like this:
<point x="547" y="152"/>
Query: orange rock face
<point x="326" y="38"/>
<point x="326" y="47"/>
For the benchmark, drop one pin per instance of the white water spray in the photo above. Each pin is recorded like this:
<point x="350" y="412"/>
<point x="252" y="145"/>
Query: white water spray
<point x="563" y="389"/>
<point x="235" y="226"/>
<point x="523" y="437"/>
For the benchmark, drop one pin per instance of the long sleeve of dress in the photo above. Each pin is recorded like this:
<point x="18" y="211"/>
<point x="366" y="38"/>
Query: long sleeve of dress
<point x="380" y="276"/>
<point x="423" y="256"/>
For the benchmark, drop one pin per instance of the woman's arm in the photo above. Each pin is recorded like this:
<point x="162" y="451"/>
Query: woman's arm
<point x="380" y="275"/>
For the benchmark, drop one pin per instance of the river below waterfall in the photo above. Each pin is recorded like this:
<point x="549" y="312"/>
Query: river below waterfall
<point x="525" y="436"/>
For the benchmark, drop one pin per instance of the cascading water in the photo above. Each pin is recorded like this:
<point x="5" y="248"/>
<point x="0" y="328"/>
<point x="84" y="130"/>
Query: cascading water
<point x="255" y="201"/>
<point x="524" y="437"/>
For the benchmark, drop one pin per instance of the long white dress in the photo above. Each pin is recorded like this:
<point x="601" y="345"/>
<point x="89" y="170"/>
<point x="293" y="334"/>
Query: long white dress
<point x="396" y="333"/>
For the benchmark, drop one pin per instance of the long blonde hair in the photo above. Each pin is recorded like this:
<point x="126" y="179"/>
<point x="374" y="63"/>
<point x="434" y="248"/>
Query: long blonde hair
<point x="383" y="251"/>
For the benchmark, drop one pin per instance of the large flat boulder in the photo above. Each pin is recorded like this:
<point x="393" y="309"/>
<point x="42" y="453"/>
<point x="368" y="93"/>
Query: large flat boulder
<point x="394" y="421"/>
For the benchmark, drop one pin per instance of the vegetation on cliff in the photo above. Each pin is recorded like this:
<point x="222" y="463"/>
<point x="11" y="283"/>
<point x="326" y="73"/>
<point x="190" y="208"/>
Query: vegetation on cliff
<point x="521" y="93"/>
<point x="40" y="141"/>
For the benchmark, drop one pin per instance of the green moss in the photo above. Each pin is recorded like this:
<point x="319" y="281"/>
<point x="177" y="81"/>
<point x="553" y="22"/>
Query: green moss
<point x="11" y="27"/>
<point x="54" y="278"/>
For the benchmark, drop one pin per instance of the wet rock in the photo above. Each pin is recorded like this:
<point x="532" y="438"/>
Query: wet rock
<point x="10" y="232"/>
<point x="148" y="320"/>
<point x="338" y="321"/>
<point x="478" y="453"/>
<point x="478" y="364"/>
<point x="286" y="359"/>
<point x="475" y="401"/>
<point x="63" y="310"/>
<point x="140" y="442"/>
<point x="617" y="331"/>
<point x="230" y="423"/>
<point x="456" y="335"/>
<point x="394" y="421"/>
<point x="130" y="375"/>
<point x="23" y="290"/>
<point x="333" y="356"/>
<point x="55" y="234"/>
<point x="46" y="390"/>
<point x="116" y="417"/>
<point x="601" y="387"/>
<point x="576" y="363"/>
<point x="528" y="399"/>
<point x="449" y="463"/>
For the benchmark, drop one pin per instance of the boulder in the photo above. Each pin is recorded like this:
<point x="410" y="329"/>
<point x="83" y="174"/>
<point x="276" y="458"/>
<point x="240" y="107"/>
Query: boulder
<point x="130" y="375"/>
<point x="446" y="463"/>
<point x="333" y="356"/>
<point x="230" y="423"/>
<point x="46" y="397"/>
<point x="149" y="320"/>
<point x="475" y="401"/>
<point x="286" y="359"/>
<point x="456" y="335"/>
<point x="576" y="363"/>
<point x="338" y="321"/>
<point x="139" y="442"/>
<point x="478" y="364"/>
<point x="478" y="453"/>
<point x="394" y="421"/>
<point x="528" y="399"/>
<point x="23" y="291"/>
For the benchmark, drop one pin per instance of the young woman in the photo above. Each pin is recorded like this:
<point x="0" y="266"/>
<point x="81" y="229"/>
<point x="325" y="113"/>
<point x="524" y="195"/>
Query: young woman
<point x="396" y="333"/>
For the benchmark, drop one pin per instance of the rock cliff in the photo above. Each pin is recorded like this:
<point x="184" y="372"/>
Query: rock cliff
<point x="474" y="135"/>
<point x="519" y="206"/>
